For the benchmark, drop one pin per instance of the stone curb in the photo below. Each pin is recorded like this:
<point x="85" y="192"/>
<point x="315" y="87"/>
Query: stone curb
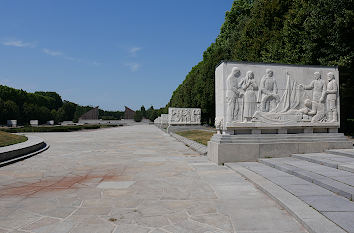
<point x="312" y="220"/>
<point x="200" y="148"/>
<point x="20" y="151"/>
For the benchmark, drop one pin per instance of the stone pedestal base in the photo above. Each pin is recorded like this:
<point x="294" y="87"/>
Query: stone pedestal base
<point x="251" y="147"/>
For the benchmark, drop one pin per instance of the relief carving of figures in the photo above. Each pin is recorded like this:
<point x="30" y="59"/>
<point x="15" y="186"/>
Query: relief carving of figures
<point x="318" y="87"/>
<point x="232" y="95"/>
<point x="186" y="115"/>
<point x="219" y="125"/>
<point x="268" y="92"/>
<point x="331" y="95"/>
<point x="249" y="85"/>
<point x="306" y="110"/>
<point x="177" y="116"/>
<point x="196" y="115"/>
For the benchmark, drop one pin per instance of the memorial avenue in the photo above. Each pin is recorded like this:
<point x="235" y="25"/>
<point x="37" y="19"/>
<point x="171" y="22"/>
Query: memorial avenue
<point x="120" y="180"/>
<point x="203" y="116"/>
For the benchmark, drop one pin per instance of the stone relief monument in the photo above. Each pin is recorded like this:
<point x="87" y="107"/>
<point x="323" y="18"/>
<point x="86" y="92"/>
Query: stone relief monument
<point x="184" y="116"/>
<point x="157" y="120"/>
<point x="272" y="95"/>
<point x="260" y="100"/>
<point x="164" y="119"/>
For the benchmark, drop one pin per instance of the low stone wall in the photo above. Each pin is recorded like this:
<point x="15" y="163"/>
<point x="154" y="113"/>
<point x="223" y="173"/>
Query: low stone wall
<point x="13" y="153"/>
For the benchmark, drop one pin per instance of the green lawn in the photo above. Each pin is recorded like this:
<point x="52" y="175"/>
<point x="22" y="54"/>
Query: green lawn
<point x="7" y="139"/>
<point x="201" y="136"/>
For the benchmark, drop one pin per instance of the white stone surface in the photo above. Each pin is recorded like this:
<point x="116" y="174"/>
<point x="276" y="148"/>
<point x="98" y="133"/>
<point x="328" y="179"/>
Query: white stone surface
<point x="51" y="122"/>
<point x="157" y="120"/>
<point x="184" y="116"/>
<point x="12" y="123"/>
<point x="34" y="122"/>
<point x="164" y="118"/>
<point x="251" y="95"/>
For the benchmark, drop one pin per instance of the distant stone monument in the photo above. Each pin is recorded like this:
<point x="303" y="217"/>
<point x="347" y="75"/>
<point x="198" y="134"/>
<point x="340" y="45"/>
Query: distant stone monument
<point x="12" y="123"/>
<point x="164" y="119"/>
<point x="129" y="113"/>
<point x="274" y="110"/>
<point x="184" y="116"/>
<point x="90" y="115"/>
<point x="34" y="122"/>
<point x="51" y="122"/>
<point x="157" y="121"/>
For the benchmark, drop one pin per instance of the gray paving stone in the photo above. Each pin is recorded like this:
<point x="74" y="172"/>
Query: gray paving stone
<point x="313" y="220"/>
<point x="347" y="167"/>
<point x="335" y="187"/>
<point x="285" y="180"/>
<point x="343" y="219"/>
<point x="315" y="173"/>
<point x="115" y="184"/>
<point x="343" y="152"/>
<point x="305" y="189"/>
<point x="329" y="203"/>
<point x="120" y="180"/>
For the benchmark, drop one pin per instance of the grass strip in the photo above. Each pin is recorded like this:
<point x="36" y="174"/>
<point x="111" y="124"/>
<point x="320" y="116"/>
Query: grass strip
<point x="7" y="139"/>
<point x="201" y="136"/>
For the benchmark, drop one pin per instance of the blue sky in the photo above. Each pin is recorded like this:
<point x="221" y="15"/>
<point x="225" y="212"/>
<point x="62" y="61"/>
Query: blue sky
<point x="109" y="53"/>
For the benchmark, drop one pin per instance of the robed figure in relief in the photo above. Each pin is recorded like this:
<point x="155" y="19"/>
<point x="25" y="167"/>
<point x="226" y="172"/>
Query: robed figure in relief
<point x="249" y="86"/>
<point x="233" y="108"/>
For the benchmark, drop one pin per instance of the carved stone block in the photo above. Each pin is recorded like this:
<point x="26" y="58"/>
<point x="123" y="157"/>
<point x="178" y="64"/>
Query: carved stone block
<point x="34" y="122"/>
<point x="274" y="110"/>
<point x="164" y="119"/>
<point x="184" y="116"/>
<point x="275" y="95"/>
<point x="12" y="123"/>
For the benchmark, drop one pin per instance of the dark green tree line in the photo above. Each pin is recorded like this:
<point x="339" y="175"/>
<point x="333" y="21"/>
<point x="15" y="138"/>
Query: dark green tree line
<point x="311" y="32"/>
<point x="43" y="106"/>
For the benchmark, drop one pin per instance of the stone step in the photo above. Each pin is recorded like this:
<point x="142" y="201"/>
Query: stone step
<point x="252" y="138"/>
<point x="329" y="160"/>
<point x="343" y="152"/>
<point x="334" y="180"/>
<point x="304" y="194"/>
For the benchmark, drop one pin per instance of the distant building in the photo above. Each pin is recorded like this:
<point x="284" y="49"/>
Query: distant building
<point x="128" y="113"/>
<point x="90" y="115"/>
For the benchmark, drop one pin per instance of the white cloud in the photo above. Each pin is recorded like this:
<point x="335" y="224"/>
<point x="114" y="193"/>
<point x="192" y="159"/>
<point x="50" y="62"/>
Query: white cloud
<point x="133" y="66"/>
<point x="52" y="53"/>
<point x="69" y="58"/>
<point x="18" y="43"/>
<point x="133" y="51"/>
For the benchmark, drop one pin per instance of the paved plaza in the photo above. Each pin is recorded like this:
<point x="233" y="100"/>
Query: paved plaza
<point x="131" y="179"/>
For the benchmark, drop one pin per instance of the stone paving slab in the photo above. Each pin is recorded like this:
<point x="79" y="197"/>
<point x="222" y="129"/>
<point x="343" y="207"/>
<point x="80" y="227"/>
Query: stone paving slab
<point x="329" y="160"/>
<point x="342" y="218"/>
<point x="334" y="180"/>
<point x="312" y="219"/>
<point x="344" y="152"/>
<point x="319" y="198"/>
<point x="131" y="179"/>
<point x="347" y="167"/>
